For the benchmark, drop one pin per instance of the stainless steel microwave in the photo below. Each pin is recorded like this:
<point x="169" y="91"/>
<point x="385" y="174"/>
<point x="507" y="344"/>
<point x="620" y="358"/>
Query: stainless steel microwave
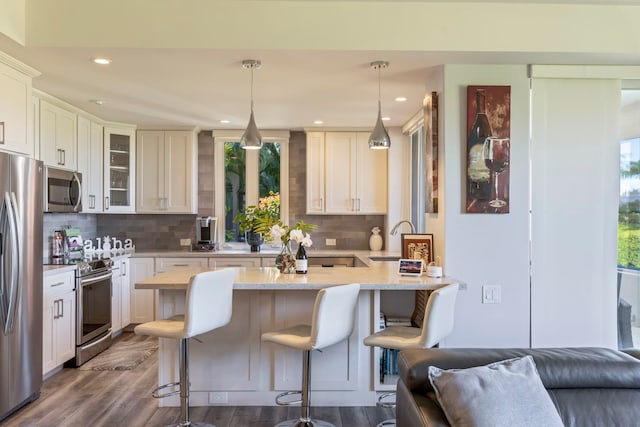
<point x="62" y="190"/>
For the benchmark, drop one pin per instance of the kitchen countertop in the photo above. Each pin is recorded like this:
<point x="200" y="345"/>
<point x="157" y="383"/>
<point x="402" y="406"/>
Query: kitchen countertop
<point x="362" y="255"/>
<point x="382" y="276"/>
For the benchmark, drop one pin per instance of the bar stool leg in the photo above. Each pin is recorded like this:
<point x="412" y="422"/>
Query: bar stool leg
<point x="305" y="416"/>
<point x="184" y="387"/>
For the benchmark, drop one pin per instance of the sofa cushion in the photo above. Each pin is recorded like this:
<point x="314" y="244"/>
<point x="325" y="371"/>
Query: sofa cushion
<point x="585" y="367"/>
<point x="507" y="393"/>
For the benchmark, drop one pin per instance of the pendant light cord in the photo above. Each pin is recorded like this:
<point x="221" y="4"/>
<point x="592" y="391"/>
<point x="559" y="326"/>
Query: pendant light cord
<point x="379" y="104"/>
<point x="252" y="89"/>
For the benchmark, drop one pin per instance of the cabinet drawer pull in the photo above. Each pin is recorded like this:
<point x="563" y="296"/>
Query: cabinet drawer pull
<point x="57" y="284"/>
<point x="181" y="265"/>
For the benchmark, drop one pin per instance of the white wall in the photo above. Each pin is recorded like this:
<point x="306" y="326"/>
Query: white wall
<point x="483" y="249"/>
<point x="399" y="190"/>
<point x="575" y="180"/>
<point x="12" y="19"/>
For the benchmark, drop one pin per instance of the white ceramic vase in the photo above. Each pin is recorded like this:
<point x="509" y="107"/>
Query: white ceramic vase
<point x="375" y="241"/>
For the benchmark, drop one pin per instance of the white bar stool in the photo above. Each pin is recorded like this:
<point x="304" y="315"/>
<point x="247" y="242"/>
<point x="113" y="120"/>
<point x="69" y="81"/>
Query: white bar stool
<point x="207" y="307"/>
<point x="332" y="321"/>
<point x="437" y="323"/>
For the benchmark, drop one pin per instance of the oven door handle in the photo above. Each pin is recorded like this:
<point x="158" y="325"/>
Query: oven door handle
<point x="92" y="280"/>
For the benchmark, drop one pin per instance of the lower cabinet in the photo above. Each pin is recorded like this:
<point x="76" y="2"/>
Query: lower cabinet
<point x="121" y="296"/>
<point x="142" y="301"/>
<point x="59" y="320"/>
<point x="166" y="264"/>
<point x="220" y="262"/>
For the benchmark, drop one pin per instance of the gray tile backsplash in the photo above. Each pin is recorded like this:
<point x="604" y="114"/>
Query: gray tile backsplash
<point x="163" y="232"/>
<point x="60" y="221"/>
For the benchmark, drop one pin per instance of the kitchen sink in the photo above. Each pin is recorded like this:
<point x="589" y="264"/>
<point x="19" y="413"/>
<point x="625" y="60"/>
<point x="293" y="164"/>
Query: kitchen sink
<point x="384" y="257"/>
<point x="330" y="261"/>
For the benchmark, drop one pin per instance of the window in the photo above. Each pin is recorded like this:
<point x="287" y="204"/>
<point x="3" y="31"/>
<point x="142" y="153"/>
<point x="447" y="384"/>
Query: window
<point x="243" y="176"/>
<point x="629" y="205"/>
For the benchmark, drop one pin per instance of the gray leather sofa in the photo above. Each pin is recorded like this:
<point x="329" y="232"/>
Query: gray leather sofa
<point x="589" y="386"/>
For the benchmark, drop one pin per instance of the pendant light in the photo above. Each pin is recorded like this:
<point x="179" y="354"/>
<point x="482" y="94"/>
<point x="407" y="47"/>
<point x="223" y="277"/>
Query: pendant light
<point x="379" y="138"/>
<point x="251" y="138"/>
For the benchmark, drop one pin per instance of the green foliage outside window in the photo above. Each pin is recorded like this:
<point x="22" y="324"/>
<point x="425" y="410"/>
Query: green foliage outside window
<point x="236" y="182"/>
<point x="629" y="206"/>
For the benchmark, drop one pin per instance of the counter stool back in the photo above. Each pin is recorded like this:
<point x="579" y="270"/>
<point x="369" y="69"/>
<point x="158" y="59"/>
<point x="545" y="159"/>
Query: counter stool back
<point x="208" y="306"/>
<point x="332" y="321"/>
<point x="437" y="323"/>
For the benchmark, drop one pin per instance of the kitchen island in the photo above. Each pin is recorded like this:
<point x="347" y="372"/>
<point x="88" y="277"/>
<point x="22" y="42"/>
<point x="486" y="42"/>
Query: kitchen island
<point x="232" y="366"/>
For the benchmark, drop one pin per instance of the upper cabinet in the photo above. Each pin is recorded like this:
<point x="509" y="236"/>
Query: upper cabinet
<point x="16" y="114"/>
<point x="119" y="169"/>
<point x="166" y="172"/>
<point x="344" y="176"/>
<point x="90" y="164"/>
<point x="58" y="136"/>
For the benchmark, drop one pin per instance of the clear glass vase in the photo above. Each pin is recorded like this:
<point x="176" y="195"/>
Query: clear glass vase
<point x="285" y="261"/>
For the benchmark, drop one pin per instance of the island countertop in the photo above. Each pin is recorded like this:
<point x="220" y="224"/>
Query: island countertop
<point x="382" y="277"/>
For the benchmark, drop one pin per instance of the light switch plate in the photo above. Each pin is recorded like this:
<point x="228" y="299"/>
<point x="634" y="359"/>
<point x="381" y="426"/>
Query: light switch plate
<point x="330" y="242"/>
<point x="1" y="132"/>
<point x="185" y="242"/>
<point x="491" y="294"/>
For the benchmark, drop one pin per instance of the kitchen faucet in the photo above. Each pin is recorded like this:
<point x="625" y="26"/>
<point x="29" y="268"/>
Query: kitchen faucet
<point x="394" y="230"/>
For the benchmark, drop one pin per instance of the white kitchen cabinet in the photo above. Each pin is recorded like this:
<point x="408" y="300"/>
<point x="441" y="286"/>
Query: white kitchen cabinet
<point x="90" y="164"/>
<point x="220" y="262"/>
<point x="58" y="136"/>
<point x="59" y="320"/>
<point x="16" y="117"/>
<point x="121" y="295"/>
<point x="119" y="169"/>
<point x="142" y="301"/>
<point x="166" y="264"/>
<point x="315" y="173"/>
<point x="166" y="172"/>
<point x="344" y="176"/>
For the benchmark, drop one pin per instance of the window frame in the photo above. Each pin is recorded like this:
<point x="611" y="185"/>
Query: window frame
<point x="220" y="137"/>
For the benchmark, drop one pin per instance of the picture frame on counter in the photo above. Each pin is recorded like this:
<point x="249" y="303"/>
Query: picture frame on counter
<point x="417" y="246"/>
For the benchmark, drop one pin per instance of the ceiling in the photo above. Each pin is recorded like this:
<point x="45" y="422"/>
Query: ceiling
<point x="198" y="87"/>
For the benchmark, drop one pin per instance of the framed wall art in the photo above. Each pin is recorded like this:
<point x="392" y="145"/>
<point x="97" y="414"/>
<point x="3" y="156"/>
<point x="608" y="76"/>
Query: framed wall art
<point x="431" y="152"/>
<point x="418" y="246"/>
<point x="488" y="149"/>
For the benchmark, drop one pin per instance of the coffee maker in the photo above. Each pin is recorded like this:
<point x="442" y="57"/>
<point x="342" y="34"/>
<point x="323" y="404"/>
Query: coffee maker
<point x="206" y="230"/>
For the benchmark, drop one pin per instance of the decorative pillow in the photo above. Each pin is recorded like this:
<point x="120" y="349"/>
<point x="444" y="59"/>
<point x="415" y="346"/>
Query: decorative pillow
<point x="508" y="393"/>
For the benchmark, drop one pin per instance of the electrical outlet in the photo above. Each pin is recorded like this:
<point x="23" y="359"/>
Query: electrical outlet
<point x="218" y="397"/>
<point x="330" y="242"/>
<point x="491" y="294"/>
<point x="185" y="242"/>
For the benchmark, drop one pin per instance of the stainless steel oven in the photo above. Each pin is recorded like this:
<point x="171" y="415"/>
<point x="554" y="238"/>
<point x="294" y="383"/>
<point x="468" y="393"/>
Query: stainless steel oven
<point x="93" y="323"/>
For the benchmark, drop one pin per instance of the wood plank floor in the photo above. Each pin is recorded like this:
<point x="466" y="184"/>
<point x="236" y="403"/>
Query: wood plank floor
<point x="110" y="398"/>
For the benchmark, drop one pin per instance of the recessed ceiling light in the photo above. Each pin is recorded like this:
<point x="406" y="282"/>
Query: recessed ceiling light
<point x="401" y="99"/>
<point x="102" y="61"/>
<point x="224" y="121"/>
<point x="318" y="122"/>
<point x="98" y="101"/>
<point x="386" y="119"/>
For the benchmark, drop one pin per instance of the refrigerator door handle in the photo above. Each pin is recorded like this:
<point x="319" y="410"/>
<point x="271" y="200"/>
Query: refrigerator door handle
<point x="15" y="287"/>
<point x="3" y="267"/>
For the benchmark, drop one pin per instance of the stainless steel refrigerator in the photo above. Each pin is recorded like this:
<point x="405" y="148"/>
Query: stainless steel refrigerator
<point x="21" y="201"/>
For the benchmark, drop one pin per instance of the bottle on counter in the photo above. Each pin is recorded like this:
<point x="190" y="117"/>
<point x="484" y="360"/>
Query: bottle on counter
<point x="301" y="260"/>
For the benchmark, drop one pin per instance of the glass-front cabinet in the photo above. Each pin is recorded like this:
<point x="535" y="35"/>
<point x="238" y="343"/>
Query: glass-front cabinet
<point x="119" y="170"/>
